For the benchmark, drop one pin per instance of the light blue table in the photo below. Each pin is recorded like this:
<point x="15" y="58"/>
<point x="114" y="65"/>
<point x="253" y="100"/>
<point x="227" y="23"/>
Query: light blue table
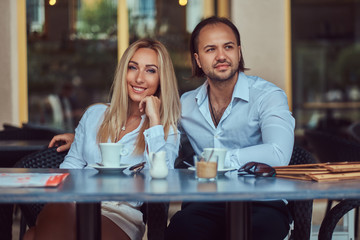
<point x="89" y="187"/>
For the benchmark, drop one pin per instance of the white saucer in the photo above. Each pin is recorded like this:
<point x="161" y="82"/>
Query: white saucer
<point x="103" y="168"/>
<point x="224" y="170"/>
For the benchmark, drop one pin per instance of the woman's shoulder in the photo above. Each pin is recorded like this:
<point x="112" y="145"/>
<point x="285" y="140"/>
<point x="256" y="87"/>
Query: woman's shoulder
<point x="97" y="109"/>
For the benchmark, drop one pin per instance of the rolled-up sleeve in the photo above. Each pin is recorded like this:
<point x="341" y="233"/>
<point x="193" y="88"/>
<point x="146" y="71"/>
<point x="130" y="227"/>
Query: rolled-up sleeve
<point x="155" y="142"/>
<point x="277" y="132"/>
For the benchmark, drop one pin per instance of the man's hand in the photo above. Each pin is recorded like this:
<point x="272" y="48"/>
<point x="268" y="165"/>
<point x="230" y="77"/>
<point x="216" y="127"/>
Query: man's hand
<point x="64" y="141"/>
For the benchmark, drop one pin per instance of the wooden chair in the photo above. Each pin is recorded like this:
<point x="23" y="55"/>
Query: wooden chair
<point x="154" y="214"/>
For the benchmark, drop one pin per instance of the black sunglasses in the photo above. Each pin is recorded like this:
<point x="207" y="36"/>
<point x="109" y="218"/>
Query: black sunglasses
<point x="257" y="169"/>
<point x="133" y="170"/>
<point x="137" y="168"/>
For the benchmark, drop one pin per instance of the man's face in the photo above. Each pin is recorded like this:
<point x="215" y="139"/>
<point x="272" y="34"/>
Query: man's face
<point x="218" y="54"/>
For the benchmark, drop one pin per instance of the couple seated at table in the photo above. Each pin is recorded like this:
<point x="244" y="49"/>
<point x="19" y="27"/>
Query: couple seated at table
<point x="247" y="115"/>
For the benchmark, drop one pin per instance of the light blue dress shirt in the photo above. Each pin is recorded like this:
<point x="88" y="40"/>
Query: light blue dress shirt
<point x="256" y="126"/>
<point x="85" y="150"/>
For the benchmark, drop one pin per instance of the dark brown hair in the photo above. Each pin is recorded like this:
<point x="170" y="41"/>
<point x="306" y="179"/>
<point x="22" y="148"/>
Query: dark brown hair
<point x="194" y="42"/>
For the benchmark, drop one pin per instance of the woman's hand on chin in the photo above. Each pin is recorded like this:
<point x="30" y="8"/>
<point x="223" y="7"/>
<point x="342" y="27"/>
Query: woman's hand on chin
<point x="151" y="106"/>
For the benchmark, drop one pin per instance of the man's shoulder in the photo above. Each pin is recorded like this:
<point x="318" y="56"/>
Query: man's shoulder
<point x="189" y="102"/>
<point x="189" y="95"/>
<point x="259" y="84"/>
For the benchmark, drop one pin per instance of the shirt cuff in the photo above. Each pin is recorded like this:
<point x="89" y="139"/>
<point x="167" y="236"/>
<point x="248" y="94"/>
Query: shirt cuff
<point x="231" y="159"/>
<point x="153" y="132"/>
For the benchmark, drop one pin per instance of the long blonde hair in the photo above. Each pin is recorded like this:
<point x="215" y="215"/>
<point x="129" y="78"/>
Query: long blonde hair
<point x="117" y="113"/>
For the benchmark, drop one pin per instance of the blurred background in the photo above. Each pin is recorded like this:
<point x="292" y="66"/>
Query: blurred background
<point x="59" y="56"/>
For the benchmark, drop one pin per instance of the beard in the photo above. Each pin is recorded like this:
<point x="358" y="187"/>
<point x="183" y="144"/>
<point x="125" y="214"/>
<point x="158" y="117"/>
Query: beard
<point x="216" y="77"/>
<point x="221" y="78"/>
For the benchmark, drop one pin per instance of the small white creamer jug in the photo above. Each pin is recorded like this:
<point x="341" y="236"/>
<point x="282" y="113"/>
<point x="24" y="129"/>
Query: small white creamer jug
<point x="158" y="167"/>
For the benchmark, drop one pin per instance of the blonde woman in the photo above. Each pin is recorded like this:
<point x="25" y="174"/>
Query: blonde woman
<point x="142" y="115"/>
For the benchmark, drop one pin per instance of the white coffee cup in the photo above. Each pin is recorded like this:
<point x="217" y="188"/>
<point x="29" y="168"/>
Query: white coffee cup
<point x="219" y="152"/>
<point x="111" y="154"/>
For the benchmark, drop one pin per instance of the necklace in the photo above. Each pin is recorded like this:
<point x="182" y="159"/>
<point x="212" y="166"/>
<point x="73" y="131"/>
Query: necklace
<point x="212" y="111"/>
<point x="133" y="120"/>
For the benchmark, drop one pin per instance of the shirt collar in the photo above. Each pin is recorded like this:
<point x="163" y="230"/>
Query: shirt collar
<point x="241" y="90"/>
<point x="202" y="93"/>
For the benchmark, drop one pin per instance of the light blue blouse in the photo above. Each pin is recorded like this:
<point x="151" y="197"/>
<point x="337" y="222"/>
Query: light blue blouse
<point x="256" y="126"/>
<point x="85" y="150"/>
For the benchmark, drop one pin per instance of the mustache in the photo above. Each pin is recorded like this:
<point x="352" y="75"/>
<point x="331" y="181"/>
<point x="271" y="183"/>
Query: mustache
<point x="221" y="62"/>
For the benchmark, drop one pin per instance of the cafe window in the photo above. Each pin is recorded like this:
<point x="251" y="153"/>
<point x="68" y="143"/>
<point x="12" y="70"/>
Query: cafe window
<point x="72" y="54"/>
<point x="326" y="61"/>
<point x="72" y="50"/>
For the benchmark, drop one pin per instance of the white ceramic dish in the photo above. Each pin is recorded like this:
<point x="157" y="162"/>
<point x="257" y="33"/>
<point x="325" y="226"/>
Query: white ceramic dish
<point x="219" y="170"/>
<point x="103" y="168"/>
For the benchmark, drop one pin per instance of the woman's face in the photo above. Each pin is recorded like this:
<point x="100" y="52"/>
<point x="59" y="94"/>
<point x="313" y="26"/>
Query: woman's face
<point x="143" y="74"/>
